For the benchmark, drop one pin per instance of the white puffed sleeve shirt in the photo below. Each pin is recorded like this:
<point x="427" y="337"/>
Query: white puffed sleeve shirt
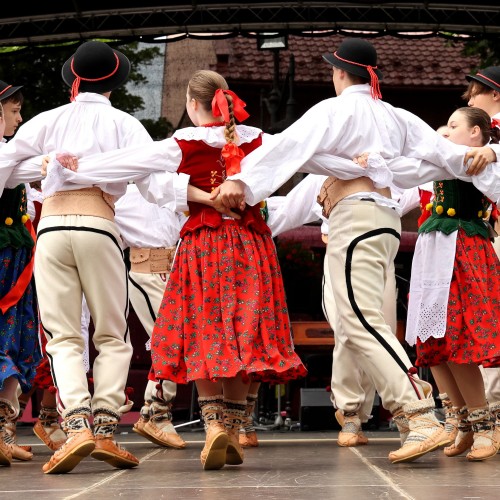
<point x="338" y="129"/>
<point x="86" y="126"/>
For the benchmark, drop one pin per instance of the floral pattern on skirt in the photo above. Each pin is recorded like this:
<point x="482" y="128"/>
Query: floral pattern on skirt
<point x="224" y="311"/>
<point x="19" y="345"/>
<point x="472" y="330"/>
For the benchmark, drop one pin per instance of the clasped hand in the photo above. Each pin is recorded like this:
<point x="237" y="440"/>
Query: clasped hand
<point x="231" y="194"/>
<point x="67" y="160"/>
<point x="475" y="160"/>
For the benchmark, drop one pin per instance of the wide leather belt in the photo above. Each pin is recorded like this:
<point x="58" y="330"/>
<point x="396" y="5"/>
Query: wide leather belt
<point x="151" y="260"/>
<point x="87" y="201"/>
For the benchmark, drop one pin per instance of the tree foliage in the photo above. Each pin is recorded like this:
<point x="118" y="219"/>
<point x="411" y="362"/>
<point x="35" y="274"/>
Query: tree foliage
<point x="488" y="51"/>
<point x="158" y="129"/>
<point x="38" y="69"/>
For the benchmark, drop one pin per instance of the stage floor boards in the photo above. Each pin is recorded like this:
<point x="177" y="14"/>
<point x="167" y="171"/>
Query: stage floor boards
<point x="287" y="465"/>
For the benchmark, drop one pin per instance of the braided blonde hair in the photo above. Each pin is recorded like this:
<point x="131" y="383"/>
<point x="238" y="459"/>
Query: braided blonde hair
<point x="202" y="87"/>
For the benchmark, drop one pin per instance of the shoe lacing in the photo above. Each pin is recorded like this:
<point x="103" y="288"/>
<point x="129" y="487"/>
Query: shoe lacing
<point x="483" y="427"/>
<point x="352" y="423"/>
<point x="422" y="427"/>
<point x="159" y="412"/>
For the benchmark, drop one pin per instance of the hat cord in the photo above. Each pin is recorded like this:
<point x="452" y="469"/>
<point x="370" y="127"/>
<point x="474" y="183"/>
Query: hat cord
<point x="489" y="79"/>
<point x="374" y="83"/>
<point x="5" y="89"/>
<point x="75" y="87"/>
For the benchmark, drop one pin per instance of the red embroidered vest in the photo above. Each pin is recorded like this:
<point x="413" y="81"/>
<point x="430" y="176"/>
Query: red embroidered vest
<point x="205" y="166"/>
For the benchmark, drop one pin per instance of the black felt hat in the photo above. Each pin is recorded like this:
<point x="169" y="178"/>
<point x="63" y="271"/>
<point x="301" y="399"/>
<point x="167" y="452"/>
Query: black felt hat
<point x="489" y="76"/>
<point x="355" y="56"/>
<point x="95" y="67"/>
<point x="7" y="90"/>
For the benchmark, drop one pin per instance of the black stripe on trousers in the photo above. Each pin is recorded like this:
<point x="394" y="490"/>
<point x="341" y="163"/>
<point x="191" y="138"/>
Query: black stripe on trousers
<point x="323" y="301"/>
<point x="81" y="228"/>
<point x="51" y="363"/>
<point x="146" y="298"/>
<point x="104" y="233"/>
<point x="91" y="230"/>
<point x="350" y="292"/>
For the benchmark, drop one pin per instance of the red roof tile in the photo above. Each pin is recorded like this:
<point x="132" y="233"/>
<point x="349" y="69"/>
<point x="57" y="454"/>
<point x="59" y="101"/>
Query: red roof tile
<point x="410" y="62"/>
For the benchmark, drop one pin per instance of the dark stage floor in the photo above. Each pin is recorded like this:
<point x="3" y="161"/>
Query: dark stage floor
<point x="293" y="465"/>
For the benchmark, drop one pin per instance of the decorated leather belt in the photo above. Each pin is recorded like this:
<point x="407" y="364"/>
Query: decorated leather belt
<point x="151" y="260"/>
<point x="87" y="201"/>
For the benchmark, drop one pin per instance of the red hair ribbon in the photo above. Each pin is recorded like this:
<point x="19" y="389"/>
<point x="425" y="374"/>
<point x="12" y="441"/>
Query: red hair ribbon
<point x="374" y="83"/>
<point x="232" y="155"/>
<point x="221" y="108"/>
<point x="495" y="123"/>
<point x="75" y="87"/>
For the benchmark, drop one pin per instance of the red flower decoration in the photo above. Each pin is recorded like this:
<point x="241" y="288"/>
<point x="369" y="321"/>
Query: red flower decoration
<point x="232" y="155"/>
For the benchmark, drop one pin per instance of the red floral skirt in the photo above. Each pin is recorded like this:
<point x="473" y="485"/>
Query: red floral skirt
<point x="472" y="330"/>
<point x="224" y="311"/>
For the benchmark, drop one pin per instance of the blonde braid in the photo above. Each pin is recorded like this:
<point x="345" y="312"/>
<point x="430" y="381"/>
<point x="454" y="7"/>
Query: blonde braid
<point x="230" y="128"/>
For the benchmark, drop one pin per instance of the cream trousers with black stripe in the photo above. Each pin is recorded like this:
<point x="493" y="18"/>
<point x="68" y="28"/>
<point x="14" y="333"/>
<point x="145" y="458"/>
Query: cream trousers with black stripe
<point x="363" y="240"/>
<point x="78" y="254"/>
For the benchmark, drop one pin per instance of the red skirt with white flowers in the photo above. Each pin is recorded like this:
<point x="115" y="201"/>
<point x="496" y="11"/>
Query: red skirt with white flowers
<point x="472" y="329"/>
<point x="224" y="311"/>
